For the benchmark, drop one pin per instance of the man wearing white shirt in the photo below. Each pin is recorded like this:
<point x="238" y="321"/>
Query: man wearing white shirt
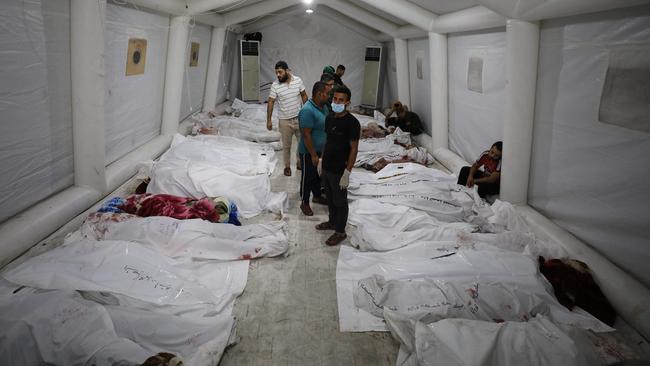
<point x="290" y="93"/>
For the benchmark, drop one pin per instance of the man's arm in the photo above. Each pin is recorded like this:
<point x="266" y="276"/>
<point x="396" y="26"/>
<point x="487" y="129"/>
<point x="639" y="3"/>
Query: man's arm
<point x="470" y="177"/>
<point x="309" y="144"/>
<point x="269" y="113"/>
<point x="352" y="157"/>
<point x="303" y="95"/>
<point x="492" y="178"/>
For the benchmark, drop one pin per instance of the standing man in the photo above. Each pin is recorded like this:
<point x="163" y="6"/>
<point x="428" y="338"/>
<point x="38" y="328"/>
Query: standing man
<point x="343" y="131"/>
<point x="290" y="94"/>
<point x="340" y="71"/>
<point x="312" y="128"/>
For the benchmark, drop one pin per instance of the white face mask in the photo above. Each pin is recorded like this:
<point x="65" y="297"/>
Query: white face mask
<point x="338" y="108"/>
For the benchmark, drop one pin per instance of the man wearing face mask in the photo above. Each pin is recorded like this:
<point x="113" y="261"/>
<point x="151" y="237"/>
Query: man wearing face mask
<point x="343" y="131"/>
<point x="312" y="127"/>
<point x="290" y="94"/>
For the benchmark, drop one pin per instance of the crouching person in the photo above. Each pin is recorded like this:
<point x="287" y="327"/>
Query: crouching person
<point x="485" y="172"/>
<point x="343" y="131"/>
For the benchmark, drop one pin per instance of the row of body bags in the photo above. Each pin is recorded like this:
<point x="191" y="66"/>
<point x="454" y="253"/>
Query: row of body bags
<point x="454" y="279"/>
<point x="244" y="121"/>
<point x="123" y="288"/>
<point x="213" y="166"/>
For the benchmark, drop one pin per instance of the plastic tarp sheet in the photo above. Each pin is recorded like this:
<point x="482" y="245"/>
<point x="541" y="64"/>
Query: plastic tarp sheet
<point x="195" y="76"/>
<point x="35" y="102"/>
<point x="204" y="169"/>
<point x="247" y="121"/>
<point x="476" y="59"/>
<point x="189" y="239"/>
<point x="420" y="80"/>
<point x="538" y="342"/>
<point x="64" y="327"/>
<point x="133" y="104"/>
<point x="309" y="42"/>
<point x="371" y="150"/>
<point x="133" y="270"/>
<point x="227" y="71"/>
<point x="376" y="226"/>
<point x="419" y="187"/>
<point x="443" y="261"/>
<point x="587" y="176"/>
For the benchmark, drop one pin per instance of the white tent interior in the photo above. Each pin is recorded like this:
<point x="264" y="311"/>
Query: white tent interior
<point x="74" y="126"/>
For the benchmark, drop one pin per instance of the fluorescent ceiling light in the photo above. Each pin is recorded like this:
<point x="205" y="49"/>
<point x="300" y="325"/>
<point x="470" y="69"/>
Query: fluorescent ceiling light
<point x="309" y="11"/>
<point x="307" y="1"/>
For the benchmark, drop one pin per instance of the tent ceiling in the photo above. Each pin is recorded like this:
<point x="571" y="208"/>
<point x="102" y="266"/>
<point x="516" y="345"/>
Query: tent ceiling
<point x="444" y="6"/>
<point x="378" y="12"/>
<point x="236" y="5"/>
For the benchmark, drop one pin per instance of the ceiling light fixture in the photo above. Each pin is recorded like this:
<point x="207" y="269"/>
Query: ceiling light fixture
<point x="307" y="1"/>
<point x="309" y="11"/>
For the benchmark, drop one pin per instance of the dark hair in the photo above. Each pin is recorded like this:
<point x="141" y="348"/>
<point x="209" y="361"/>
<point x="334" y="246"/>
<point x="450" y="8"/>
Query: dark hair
<point x="498" y="145"/>
<point x="319" y="86"/>
<point x="326" y="77"/>
<point x="340" y="67"/>
<point x="281" y="65"/>
<point x="343" y="89"/>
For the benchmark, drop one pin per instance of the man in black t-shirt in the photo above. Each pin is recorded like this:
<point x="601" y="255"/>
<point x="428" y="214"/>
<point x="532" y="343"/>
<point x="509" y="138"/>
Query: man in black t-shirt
<point x="406" y="120"/>
<point x="343" y="131"/>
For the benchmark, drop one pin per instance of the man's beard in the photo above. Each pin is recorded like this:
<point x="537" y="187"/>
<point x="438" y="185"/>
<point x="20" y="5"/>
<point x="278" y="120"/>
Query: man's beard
<point x="283" y="79"/>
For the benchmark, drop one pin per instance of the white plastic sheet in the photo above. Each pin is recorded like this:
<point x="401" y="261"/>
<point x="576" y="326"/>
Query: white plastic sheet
<point x="420" y="82"/>
<point x="308" y="43"/>
<point x="476" y="118"/>
<point x="194" y="76"/>
<point x="179" y="175"/>
<point x="430" y="299"/>
<point x="589" y="177"/>
<point x="189" y="239"/>
<point x="133" y="104"/>
<point x="133" y="270"/>
<point x="443" y="261"/>
<point x="35" y="102"/>
<point x="380" y="226"/>
<point x="419" y="187"/>
<point x="457" y="342"/>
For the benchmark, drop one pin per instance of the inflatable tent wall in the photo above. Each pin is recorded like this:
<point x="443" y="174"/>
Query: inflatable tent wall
<point x="564" y="84"/>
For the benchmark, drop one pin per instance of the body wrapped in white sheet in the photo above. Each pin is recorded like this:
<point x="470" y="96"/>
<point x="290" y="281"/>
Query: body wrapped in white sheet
<point x="134" y="270"/>
<point x="419" y="187"/>
<point x="443" y="261"/>
<point x="188" y="239"/>
<point x="462" y="342"/>
<point x="60" y="327"/>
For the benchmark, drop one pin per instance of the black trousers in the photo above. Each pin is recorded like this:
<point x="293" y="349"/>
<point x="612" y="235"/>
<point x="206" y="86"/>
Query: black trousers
<point x="484" y="189"/>
<point x="309" y="179"/>
<point x="337" y="200"/>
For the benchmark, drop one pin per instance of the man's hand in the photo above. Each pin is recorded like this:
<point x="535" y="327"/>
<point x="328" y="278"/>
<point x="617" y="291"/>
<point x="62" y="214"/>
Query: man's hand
<point x="344" y="183"/>
<point x="470" y="182"/>
<point x="319" y="167"/>
<point x="269" y="125"/>
<point x="314" y="160"/>
<point x="397" y="104"/>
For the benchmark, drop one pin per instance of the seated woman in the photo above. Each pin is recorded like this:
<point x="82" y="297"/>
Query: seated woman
<point x="488" y="179"/>
<point x="406" y="120"/>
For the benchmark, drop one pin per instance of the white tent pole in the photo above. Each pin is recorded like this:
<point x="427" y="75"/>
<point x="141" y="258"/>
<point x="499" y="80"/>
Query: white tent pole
<point x="195" y="7"/>
<point x="174" y="7"/>
<point x="87" y="71"/>
<point x="214" y="68"/>
<point x="402" y="69"/>
<point x="176" y="58"/>
<point x="555" y="9"/>
<point x="257" y="10"/>
<point x="474" y="18"/>
<point x="362" y="16"/>
<point x="522" y="47"/>
<point x="439" y="92"/>
<point x="352" y="24"/>
<point x="407" y="11"/>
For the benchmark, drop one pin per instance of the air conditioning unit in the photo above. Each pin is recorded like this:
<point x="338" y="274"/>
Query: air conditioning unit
<point x="250" y="70"/>
<point x="370" y="93"/>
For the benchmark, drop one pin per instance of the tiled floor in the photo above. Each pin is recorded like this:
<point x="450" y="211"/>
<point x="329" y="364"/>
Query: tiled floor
<point x="288" y="313"/>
